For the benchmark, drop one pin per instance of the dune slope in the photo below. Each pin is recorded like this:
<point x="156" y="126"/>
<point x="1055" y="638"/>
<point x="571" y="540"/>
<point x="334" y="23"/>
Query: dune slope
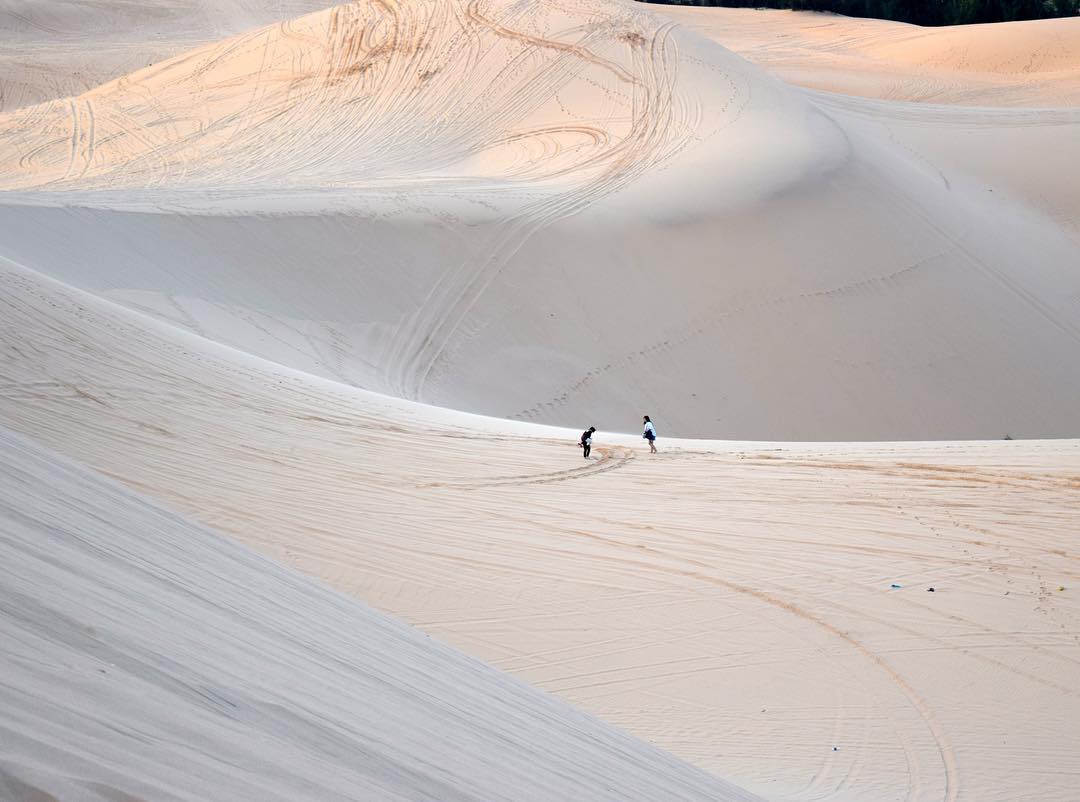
<point x="44" y="51"/>
<point x="568" y="213"/>
<point x="730" y="602"/>
<point x="148" y="658"/>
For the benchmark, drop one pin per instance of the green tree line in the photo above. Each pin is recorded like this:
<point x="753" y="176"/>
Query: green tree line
<point x="918" y="12"/>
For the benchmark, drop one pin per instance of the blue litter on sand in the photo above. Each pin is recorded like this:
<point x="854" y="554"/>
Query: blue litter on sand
<point x="894" y="585"/>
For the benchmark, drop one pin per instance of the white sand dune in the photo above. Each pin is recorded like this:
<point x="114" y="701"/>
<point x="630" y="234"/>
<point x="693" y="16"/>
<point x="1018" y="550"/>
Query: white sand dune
<point x="569" y="213"/>
<point x="145" y="657"/>
<point x="729" y="602"/>
<point x="411" y="198"/>
<point x="58" y="48"/>
<point x="1032" y="63"/>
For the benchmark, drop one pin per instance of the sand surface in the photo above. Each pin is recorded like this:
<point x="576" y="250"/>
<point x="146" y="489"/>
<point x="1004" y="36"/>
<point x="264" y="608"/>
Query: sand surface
<point x="730" y="602"/>
<point x="1032" y="63"/>
<point x="227" y="280"/>
<point x="58" y="48"/>
<point x="145" y="657"/>
<point x="628" y="216"/>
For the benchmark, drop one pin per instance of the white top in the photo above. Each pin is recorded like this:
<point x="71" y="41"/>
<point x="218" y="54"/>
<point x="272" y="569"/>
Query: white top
<point x="650" y="428"/>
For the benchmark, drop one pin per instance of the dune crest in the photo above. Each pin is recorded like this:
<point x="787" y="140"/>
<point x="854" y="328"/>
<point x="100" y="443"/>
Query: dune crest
<point x="366" y="93"/>
<point x="1029" y="63"/>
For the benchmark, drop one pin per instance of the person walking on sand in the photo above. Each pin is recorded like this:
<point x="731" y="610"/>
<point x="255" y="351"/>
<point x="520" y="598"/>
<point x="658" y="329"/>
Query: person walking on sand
<point x="650" y="434"/>
<point x="586" y="440"/>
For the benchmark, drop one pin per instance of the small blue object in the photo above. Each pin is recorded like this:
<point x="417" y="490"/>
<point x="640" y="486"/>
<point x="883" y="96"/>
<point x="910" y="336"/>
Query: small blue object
<point x="894" y="585"/>
<point x="836" y="749"/>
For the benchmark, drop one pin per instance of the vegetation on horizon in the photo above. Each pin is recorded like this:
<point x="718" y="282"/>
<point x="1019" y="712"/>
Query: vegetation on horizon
<point x="918" y="12"/>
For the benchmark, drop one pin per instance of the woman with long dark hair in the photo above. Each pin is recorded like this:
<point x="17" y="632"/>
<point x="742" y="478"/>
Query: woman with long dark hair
<point x="650" y="434"/>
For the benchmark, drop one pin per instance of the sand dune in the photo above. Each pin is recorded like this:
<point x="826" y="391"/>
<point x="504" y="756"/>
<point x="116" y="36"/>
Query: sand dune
<point x="58" y="48"/>
<point x="364" y="94"/>
<point x="1033" y="63"/>
<point x="374" y="196"/>
<point x="729" y="602"/>
<point x="226" y="279"/>
<point x="147" y="658"/>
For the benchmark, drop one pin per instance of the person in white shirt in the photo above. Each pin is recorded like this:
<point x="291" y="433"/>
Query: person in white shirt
<point x="650" y="434"/>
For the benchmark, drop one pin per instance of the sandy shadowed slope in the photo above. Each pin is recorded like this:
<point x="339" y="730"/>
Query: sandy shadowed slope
<point x="569" y="210"/>
<point x="729" y="602"/>
<point x="1031" y="63"/>
<point x="148" y="658"/>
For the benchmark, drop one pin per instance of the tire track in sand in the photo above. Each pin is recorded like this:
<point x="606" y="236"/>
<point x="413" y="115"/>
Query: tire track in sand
<point x="611" y="458"/>
<point x="944" y="747"/>
<point x="655" y="132"/>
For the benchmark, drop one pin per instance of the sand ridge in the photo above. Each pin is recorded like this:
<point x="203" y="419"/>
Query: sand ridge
<point x="363" y="93"/>
<point x="1032" y="63"/>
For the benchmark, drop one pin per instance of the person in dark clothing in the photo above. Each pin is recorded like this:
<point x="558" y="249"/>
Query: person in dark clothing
<point x="586" y="440"/>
